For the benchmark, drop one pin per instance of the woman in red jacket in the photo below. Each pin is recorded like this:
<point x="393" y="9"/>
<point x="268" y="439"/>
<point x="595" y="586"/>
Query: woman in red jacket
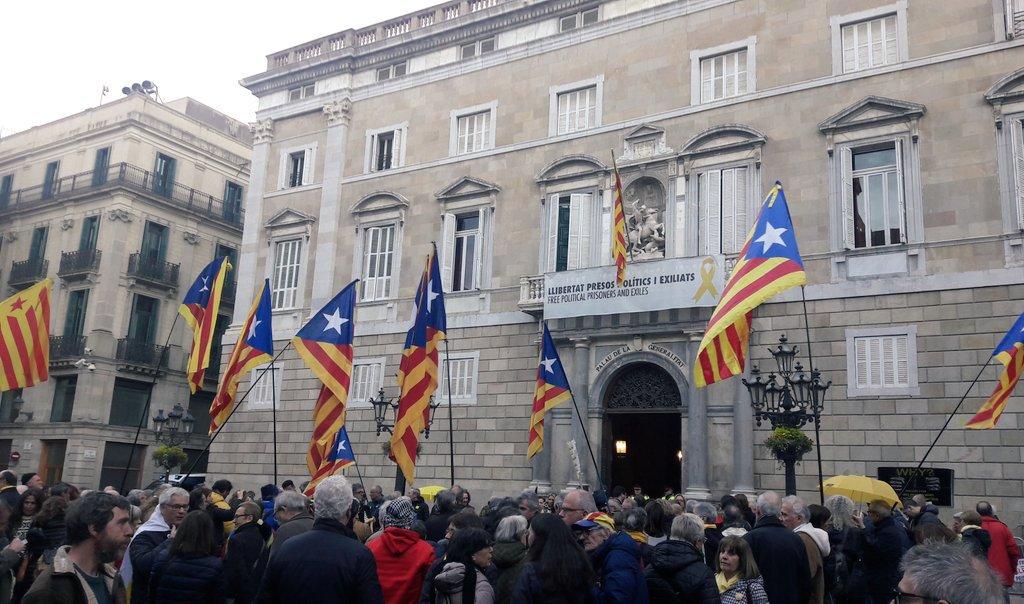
<point x="402" y="556"/>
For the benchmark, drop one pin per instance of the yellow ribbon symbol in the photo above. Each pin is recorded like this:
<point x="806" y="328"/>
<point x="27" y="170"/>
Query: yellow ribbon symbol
<point x="707" y="286"/>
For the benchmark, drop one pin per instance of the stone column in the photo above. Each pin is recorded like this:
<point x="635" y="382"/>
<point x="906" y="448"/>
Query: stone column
<point x="541" y="462"/>
<point x="696" y="436"/>
<point x="339" y="115"/>
<point x="580" y="383"/>
<point x="262" y="136"/>
<point x="742" y="440"/>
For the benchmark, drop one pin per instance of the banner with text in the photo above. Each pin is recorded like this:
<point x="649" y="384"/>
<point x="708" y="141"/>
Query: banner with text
<point x="650" y="285"/>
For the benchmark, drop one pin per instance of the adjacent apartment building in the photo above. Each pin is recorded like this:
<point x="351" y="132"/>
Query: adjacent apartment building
<point x="121" y="205"/>
<point x="488" y="127"/>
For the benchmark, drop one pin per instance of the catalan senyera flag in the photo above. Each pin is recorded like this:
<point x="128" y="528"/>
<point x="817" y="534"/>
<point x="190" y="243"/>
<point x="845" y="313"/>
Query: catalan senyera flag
<point x="1009" y="353"/>
<point x="25" y="337"/>
<point x="618" y="229"/>
<point x="552" y="390"/>
<point x="255" y="347"/>
<point x="199" y="309"/>
<point x="325" y="344"/>
<point x="339" y="456"/>
<point x="769" y="263"/>
<point x="417" y="372"/>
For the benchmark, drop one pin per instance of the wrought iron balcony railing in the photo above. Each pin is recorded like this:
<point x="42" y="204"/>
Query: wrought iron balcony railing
<point x="156" y="272"/>
<point x="66" y="347"/>
<point x="28" y="271"/>
<point x="227" y="295"/>
<point x="79" y="263"/>
<point x="141" y="353"/>
<point x="130" y="177"/>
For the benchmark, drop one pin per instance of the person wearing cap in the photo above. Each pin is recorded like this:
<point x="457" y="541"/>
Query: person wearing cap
<point x="616" y="560"/>
<point x="402" y="556"/>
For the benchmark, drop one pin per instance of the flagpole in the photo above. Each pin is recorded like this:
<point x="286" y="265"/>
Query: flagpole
<point x="451" y="421"/>
<point x="817" y="412"/>
<point x="615" y="169"/>
<point x="238" y="404"/>
<point x="149" y="398"/>
<point x="273" y="411"/>
<point x="944" y="426"/>
<point x="586" y="439"/>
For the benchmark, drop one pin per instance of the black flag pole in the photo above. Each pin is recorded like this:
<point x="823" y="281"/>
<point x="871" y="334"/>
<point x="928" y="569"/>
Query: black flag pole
<point x="451" y="421"/>
<point x="586" y="439"/>
<point x="273" y="412"/>
<point x="817" y="412"/>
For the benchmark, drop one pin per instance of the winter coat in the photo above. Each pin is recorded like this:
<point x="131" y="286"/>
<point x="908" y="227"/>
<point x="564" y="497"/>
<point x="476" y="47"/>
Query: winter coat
<point x="782" y="559"/>
<point x="422" y="510"/>
<point x="746" y="591"/>
<point x="326" y="564"/>
<point x="269" y="518"/>
<point x="883" y="547"/>
<point x="10" y="496"/>
<point x="437" y="525"/>
<point x="529" y="589"/>
<point x="9" y="561"/>
<point x="977" y="539"/>
<point x="1003" y="554"/>
<point x="617" y="566"/>
<point x="222" y="514"/>
<point x="815" y="567"/>
<point x="298" y="524"/>
<point x="193" y="579"/>
<point x="678" y="573"/>
<point x="929" y="515"/>
<point x="245" y="561"/>
<point x="448" y="585"/>
<point x="144" y="549"/>
<point x="713" y="537"/>
<point x="509" y="559"/>
<point x="56" y="533"/>
<point x="402" y="562"/>
<point x="61" y="584"/>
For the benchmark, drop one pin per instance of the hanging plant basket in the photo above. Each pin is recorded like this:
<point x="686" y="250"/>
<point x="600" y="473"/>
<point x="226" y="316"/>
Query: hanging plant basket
<point x="386" y="445"/>
<point x="169" y="457"/>
<point x="788" y="443"/>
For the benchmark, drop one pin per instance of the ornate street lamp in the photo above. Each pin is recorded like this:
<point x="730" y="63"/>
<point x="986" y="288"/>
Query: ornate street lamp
<point x="788" y="404"/>
<point x="385" y="413"/>
<point x="172" y="430"/>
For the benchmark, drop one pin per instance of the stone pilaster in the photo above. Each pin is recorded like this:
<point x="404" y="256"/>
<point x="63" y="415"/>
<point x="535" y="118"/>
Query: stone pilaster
<point x="696" y="436"/>
<point x="581" y="389"/>
<point x="742" y="440"/>
<point x="339" y="116"/>
<point x="263" y="135"/>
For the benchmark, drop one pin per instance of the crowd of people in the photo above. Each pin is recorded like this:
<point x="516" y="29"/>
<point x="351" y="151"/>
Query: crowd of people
<point x="217" y="544"/>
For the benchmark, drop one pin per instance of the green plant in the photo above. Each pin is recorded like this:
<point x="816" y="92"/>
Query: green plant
<point x="168" y="457"/>
<point x="785" y="442"/>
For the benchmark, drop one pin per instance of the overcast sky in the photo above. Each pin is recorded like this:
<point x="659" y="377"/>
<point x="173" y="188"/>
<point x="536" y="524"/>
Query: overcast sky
<point x="58" y="54"/>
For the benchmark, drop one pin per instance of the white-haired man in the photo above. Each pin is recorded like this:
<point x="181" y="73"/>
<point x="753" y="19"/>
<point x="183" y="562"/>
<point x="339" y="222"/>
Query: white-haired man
<point x="150" y="539"/>
<point x="796" y="517"/>
<point x="947" y="573"/>
<point x="326" y="564"/>
<point x="779" y="553"/>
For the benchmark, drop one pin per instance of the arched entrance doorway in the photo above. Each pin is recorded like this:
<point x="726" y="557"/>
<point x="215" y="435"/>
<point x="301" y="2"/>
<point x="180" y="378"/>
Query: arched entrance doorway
<point x="642" y="429"/>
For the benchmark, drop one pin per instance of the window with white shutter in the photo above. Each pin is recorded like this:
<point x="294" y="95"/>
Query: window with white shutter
<point x="569" y="232"/>
<point x="285" y="279"/>
<point x="463" y="377"/>
<point x="367" y="379"/>
<point x="577" y="110"/>
<point x="264" y="390"/>
<point x="882" y="361"/>
<point x="870" y="43"/>
<point x="873" y="195"/>
<point x="473" y="132"/>
<point x="378" y="262"/>
<point x="723" y="76"/>
<point x="462" y="250"/>
<point x="722" y="197"/>
<point x="1017" y="140"/>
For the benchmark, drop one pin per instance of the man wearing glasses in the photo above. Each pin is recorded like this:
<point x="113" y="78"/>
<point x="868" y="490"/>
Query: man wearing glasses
<point x="152" y="538"/>
<point x="247" y="553"/>
<point x="940" y="573"/>
<point x="577" y="505"/>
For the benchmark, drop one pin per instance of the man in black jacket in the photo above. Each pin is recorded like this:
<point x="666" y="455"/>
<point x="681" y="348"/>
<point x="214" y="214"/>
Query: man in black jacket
<point x="779" y="553"/>
<point x="150" y="539"/>
<point x="247" y="553"/>
<point x="884" y="542"/>
<point x="677" y="572"/>
<point x="326" y="564"/>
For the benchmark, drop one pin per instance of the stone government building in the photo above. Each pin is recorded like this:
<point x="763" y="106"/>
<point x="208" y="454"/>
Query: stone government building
<point x="486" y="126"/>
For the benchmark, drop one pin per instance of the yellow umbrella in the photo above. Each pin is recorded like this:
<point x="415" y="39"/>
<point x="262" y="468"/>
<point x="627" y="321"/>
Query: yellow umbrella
<point x="861" y="489"/>
<point x="431" y="491"/>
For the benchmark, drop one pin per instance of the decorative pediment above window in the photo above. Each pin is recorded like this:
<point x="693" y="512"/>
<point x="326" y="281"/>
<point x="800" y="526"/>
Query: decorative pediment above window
<point x="1007" y="95"/>
<point x="727" y="138"/>
<point x="467" y="186"/>
<point x="382" y="204"/>
<point x="873" y="111"/>
<point x="644" y="141"/>
<point x="571" y="166"/>
<point x="289" y="222"/>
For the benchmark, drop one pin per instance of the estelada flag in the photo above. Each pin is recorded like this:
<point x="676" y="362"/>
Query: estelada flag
<point x="552" y="390"/>
<point x="255" y="346"/>
<point x="417" y="371"/>
<point x="199" y="309"/>
<point x="25" y="337"/>
<point x="339" y="456"/>
<point x="325" y="344"/>
<point x="1008" y="352"/>
<point x="618" y="230"/>
<point x="769" y="263"/>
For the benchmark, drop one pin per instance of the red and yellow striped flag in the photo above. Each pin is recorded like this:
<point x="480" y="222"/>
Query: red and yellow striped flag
<point x="1009" y="352"/>
<point x="618" y="229"/>
<point x="768" y="264"/>
<point x="552" y="390"/>
<point x="199" y="309"/>
<point x="25" y="337"/>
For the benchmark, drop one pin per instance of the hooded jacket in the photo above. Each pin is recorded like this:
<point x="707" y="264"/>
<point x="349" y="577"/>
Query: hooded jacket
<point x="782" y="560"/>
<point x="929" y="515"/>
<point x="62" y="583"/>
<point x="977" y="539"/>
<point x="402" y="562"/>
<point x="678" y="573"/>
<point x="617" y="566"/>
<point x="1003" y="554"/>
<point x="448" y="585"/>
<point x="509" y="559"/>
